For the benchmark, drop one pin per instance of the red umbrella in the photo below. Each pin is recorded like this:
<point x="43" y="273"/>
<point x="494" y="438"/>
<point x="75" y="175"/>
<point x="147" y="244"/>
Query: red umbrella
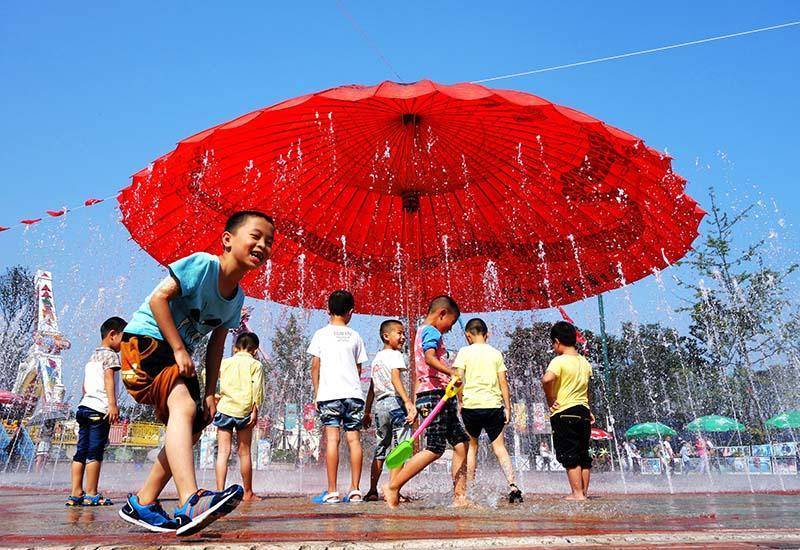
<point x="399" y="192"/>
<point x="598" y="434"/>
<point x="8" y="397"/>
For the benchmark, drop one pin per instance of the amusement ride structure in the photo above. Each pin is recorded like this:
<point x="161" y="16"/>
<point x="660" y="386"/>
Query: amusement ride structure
<point x="39" y="381"/>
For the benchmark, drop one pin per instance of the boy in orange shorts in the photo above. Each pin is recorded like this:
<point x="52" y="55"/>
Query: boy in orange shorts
<point x="201" y="296"/>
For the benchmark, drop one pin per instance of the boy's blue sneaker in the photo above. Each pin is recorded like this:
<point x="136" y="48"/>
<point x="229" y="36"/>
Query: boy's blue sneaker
<point x="151" y="517"/>
<point x="205" y="507"/>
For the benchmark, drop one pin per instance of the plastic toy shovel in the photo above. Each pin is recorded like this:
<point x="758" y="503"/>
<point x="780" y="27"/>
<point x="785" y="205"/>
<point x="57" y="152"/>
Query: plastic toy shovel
<point x="405" y="448"/>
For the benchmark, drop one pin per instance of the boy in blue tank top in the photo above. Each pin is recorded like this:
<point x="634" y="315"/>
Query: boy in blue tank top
<point x="201" y="296"/>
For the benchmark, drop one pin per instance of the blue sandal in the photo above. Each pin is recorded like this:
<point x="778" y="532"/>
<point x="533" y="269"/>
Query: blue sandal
<point x="327" y="498"/>
<point x="97" y="500"/>
<point x="74" y="501"/>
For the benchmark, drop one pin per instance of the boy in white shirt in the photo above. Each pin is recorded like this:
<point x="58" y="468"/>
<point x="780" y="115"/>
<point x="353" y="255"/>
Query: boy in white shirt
<point x="394" y="410"/>
<point x="337" y="355"/>
<point x="96" y="412"/>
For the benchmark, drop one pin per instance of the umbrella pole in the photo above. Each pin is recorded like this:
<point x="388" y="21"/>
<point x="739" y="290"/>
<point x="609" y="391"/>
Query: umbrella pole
<point x="603" y="337"/>
<point x="611" y="451"/>
<point x="412" y="334"/>
<point x="412" y="367"/>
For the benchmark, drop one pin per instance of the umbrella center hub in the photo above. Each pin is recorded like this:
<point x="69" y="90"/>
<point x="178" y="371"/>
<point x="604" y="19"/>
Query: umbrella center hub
<point x="410" y="201"/>
<point x="410" y="119"/>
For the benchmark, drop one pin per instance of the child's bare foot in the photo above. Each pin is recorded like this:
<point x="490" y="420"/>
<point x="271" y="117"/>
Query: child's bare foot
<point x="371" y="496"/>
<point x="579" y="496"/>
<point x="463" y="502"/>
<point x="252" y="497"/>
<point x="391" y="496"/>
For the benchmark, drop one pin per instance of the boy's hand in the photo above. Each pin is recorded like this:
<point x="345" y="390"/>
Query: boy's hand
<point x="458" y="381"/>
<point x="591" y="418"/>
<point x="508" y="416"/>
<point x="253" y="418"/>
<point x="367" y="420"/>
<point x="113" y="414"/>
<point x="412" y="412"/>
<point x="185" y="364"/>
<point x="209" y="408"/>
<point x="553" y="407"/>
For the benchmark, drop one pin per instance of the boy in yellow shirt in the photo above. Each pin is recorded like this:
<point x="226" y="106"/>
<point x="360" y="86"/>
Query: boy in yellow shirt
<point x="485" y="402"/>
<point x="566" y="387"/>
<point x="241" y="391"/>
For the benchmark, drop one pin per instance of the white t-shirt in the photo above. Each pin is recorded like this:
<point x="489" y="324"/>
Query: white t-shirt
<point x="384" y="363"/>
<point x="339" y="349"/>
<point x="94" y="386"/>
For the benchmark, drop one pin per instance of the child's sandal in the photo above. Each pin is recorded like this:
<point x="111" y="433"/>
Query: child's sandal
<point x="97" y="500"/>
<point x="354" y="496"/>
<point x="326" y="498"/>
<point x="74" y="501"/>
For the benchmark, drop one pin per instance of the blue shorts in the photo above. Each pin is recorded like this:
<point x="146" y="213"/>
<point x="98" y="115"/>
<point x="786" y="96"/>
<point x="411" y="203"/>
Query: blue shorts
<point x="93" y="428"/>
<point x="390" y="425"/>
<point x="342" y="413"/>
<point x="228" y="423"/>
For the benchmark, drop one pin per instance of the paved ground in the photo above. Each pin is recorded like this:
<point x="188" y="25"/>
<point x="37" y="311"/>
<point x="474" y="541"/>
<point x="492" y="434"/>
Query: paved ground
<point x="37" y="518"/>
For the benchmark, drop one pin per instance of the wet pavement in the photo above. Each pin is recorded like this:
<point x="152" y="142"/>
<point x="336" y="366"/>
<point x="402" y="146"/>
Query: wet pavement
<point x="37" y="518"/>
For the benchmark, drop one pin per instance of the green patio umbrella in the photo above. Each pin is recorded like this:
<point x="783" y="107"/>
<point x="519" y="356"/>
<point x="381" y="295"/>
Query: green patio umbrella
<point x="649" y="429"/>
<point x="788" y="419"/>
<point x="715" y="423"/>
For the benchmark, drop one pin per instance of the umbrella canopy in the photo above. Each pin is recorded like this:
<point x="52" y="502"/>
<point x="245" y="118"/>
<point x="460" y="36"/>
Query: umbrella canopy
<point x="649" y="429"/>
<point x="399" y="192"/>
<point x="785" y="420"/>
<point x="598" y="434"/>
<point x="9" y="397"/>
<point x="715" y="423"/>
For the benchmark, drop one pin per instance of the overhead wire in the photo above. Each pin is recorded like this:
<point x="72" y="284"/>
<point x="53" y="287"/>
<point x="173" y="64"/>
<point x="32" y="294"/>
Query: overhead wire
<point x="636" y="53"/>
<point x="385" y="61"/>
<point x="360" y="30"/>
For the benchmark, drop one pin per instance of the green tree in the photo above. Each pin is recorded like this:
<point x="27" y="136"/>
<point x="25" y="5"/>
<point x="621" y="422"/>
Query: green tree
<point x="288" y="373"/>
<point x="528" y="353"/>
<point x="741" y="311"/>
<point x="654" y="374"/>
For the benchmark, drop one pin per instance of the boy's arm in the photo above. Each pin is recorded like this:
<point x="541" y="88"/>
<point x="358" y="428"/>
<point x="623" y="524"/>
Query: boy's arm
<point x="432" y="361"/>
<point x="258" y="392"/>
<point x="549" y="387"/>
<point x="460" y="373"/>
<point x="315" y="375"/>
<point x="460" y="366"/>
<point x="113" y="409"/>
<point x="214" y="351"/>
<point x="258" y="384"/>
<point x="370" y="397"/>
<point x="501" y="379"/>
<point x="159" y="305"/>
<point x="368" y="404"/>
<point x="397" y="382"/>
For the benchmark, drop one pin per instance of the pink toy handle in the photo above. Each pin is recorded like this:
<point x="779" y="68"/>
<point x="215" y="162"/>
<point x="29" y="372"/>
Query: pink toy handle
<point x="430" y="418"/>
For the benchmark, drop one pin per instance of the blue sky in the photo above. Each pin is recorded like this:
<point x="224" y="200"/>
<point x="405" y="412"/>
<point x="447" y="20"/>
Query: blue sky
<point x="92" y="92"/>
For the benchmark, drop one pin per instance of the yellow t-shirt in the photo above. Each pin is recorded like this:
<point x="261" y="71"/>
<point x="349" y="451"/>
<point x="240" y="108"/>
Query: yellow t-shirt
<point x="240" y="385"/>
<point x="481" y="364"/>
<point x="572" y="381"/>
